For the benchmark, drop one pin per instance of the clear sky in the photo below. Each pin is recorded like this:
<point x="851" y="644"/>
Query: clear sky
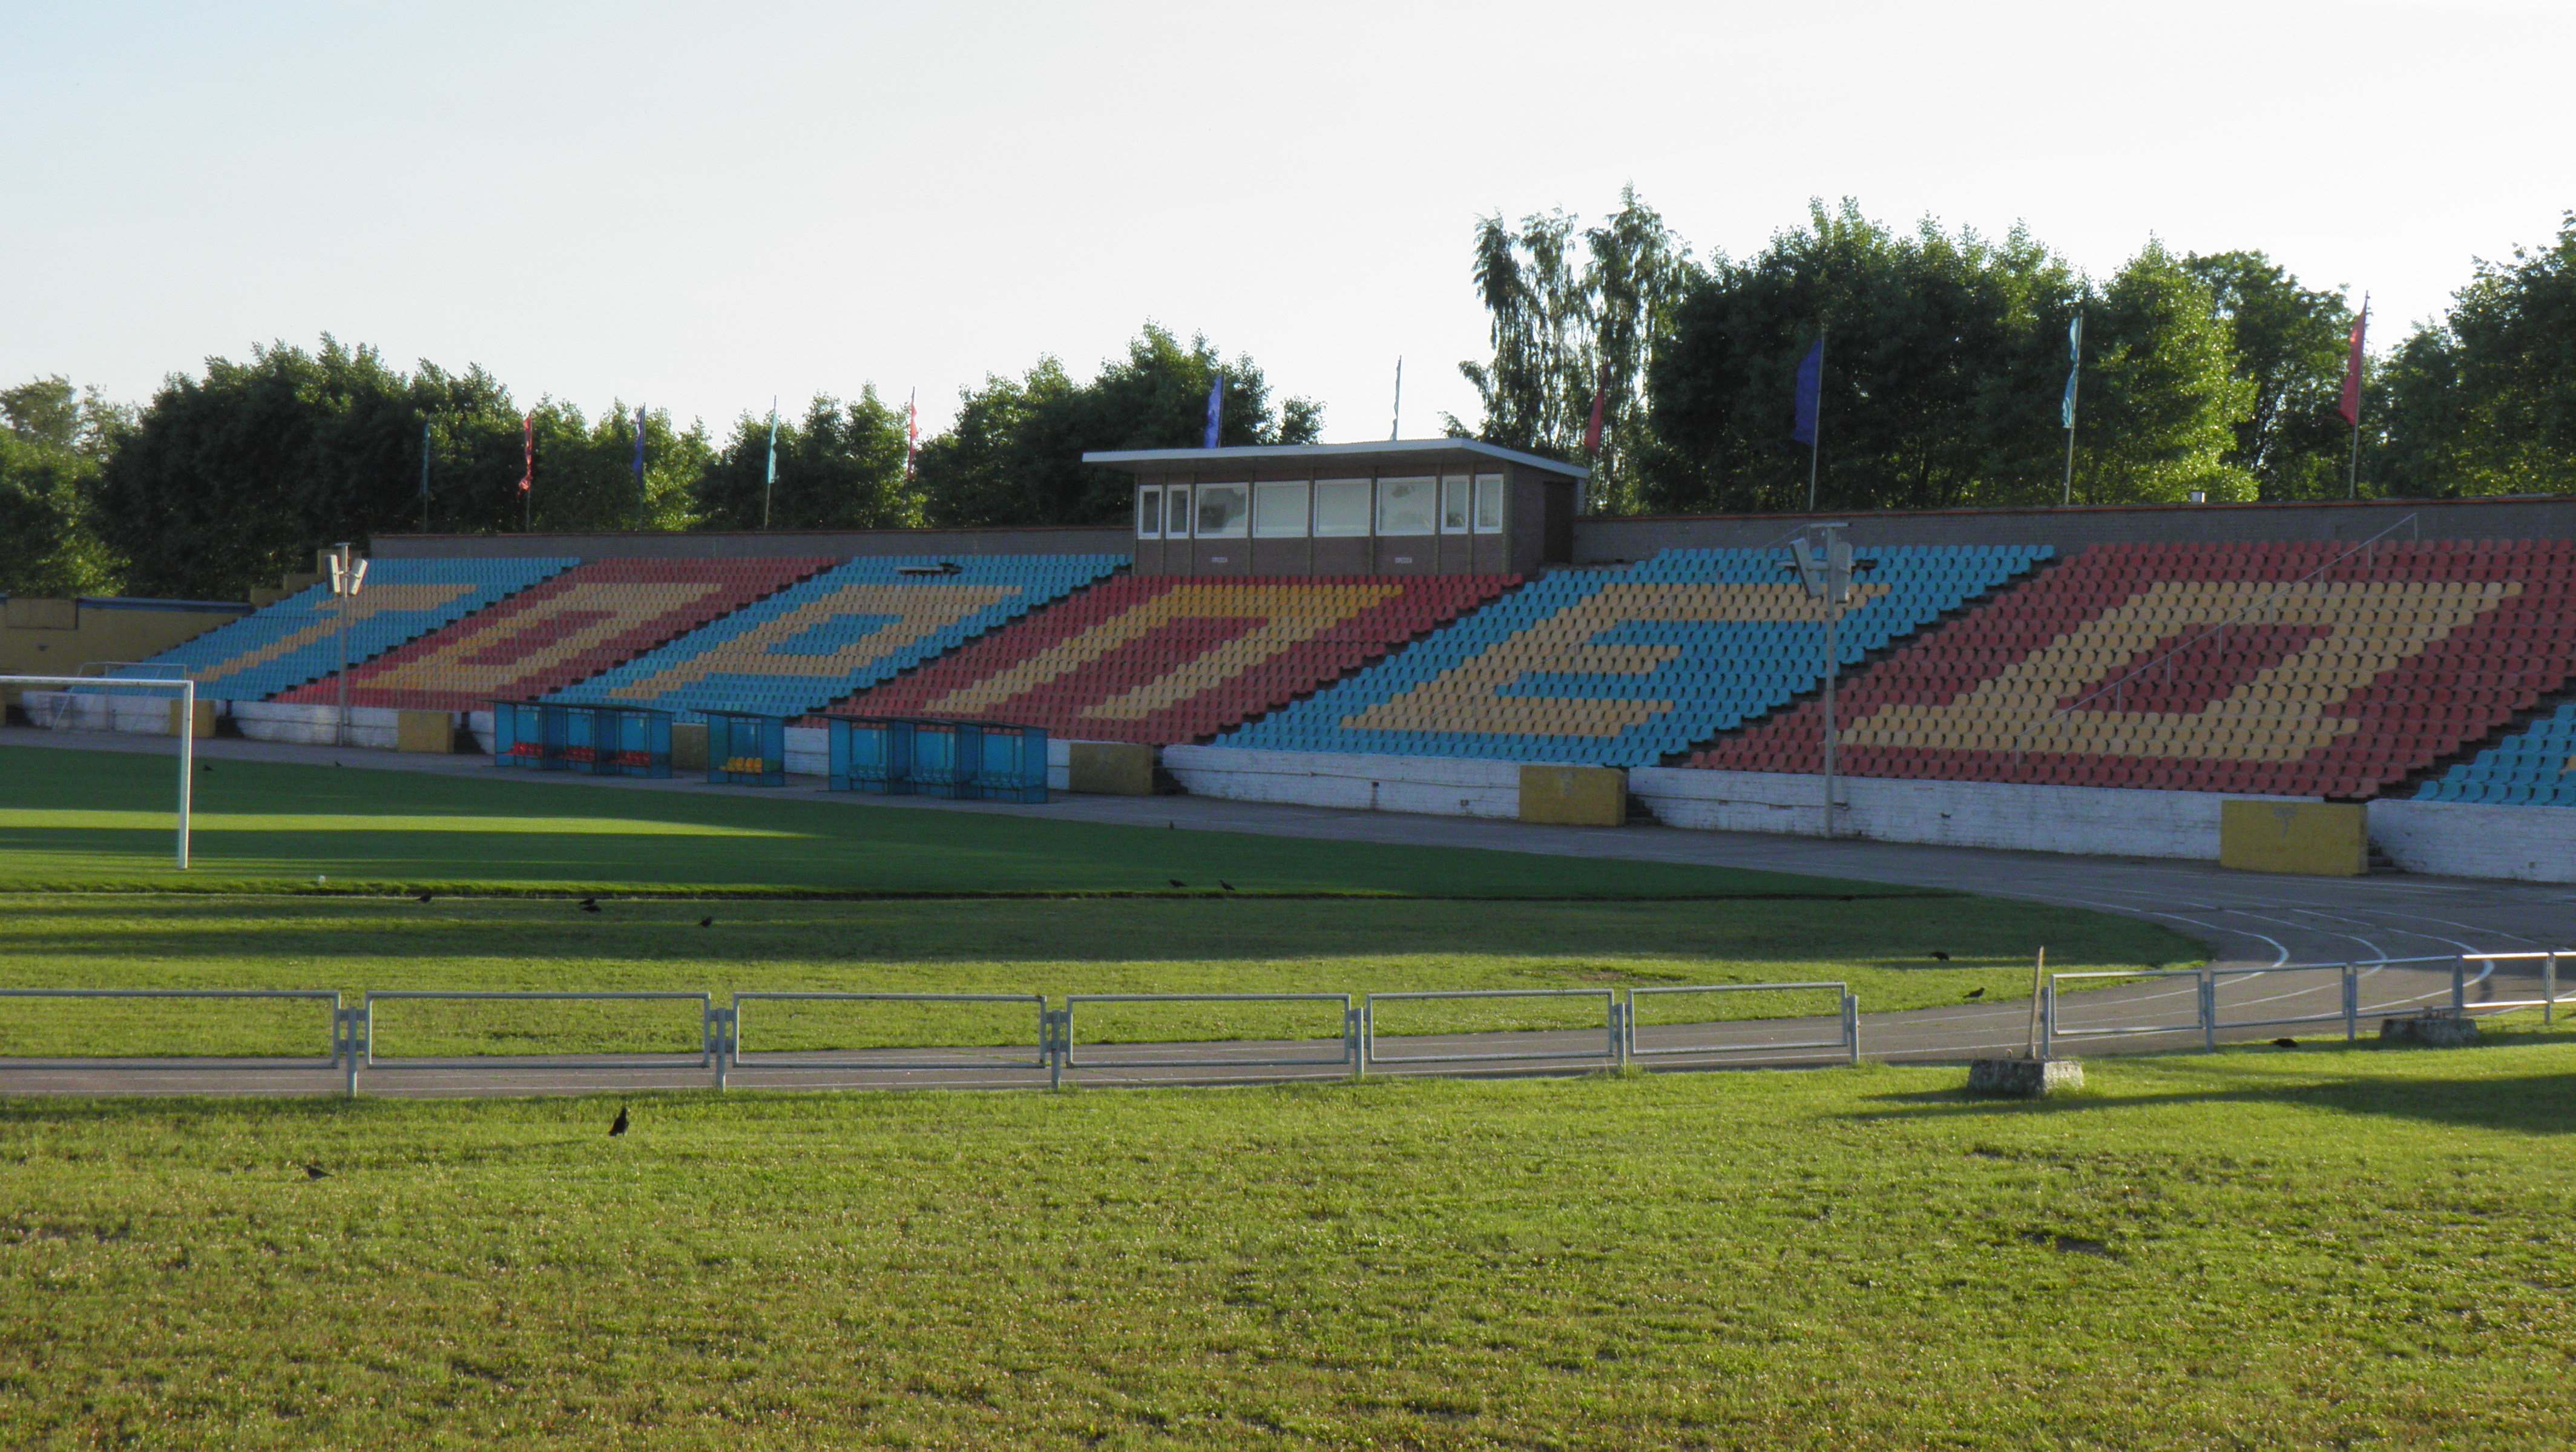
<point x="701" y="205"/>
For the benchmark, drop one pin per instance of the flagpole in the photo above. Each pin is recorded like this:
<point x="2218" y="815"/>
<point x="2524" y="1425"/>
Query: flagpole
<point x="770" y="485"/>
<point x="2352" y="471"/>
<point x="424" y="476"/>
<point x="1816" y="436"/>
<point x="2074" y="382"/>
<point x="1395" y="424"/>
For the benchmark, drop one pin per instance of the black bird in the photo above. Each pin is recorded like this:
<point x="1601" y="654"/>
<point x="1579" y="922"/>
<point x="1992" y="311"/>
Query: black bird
<point x="1976" y="993"/>
<point x="590" y="904"/>
<point x="424" y="897"/>
<point x="617" y="1126"/>
<point x="706" y="922"/>
<point x="335" y="763"/>
<point x="1176" y="882"/>
<point x="2285" y="1043"/>
<point x="206" y="766"/>
<point x="1175" y="826"/>
<point x="316" y="1172"/>
<point x="1940" y="957"/>
<point x="1228" y="886"/>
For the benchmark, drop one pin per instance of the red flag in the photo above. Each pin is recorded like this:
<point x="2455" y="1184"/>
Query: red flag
<point x="2351" y="407"/>
<point x="528" y="441"/>
<point x="1600" y="395"/>
<point x="911" y="430"/>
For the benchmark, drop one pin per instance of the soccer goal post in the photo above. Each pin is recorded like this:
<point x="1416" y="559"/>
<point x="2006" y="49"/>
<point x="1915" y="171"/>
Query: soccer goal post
<point x="186" y="732"/>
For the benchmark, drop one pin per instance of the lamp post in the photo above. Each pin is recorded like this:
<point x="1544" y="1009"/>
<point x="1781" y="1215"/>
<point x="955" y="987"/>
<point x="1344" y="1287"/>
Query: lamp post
<point x="1822" y="560"/>
<point x="347" y="577"/>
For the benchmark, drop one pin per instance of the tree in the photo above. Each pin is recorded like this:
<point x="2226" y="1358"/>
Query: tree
<point x="1945" y="366"/>
<point x="1561" y="337"/>
<point x="840" y="467"/>
<point x="585" y="473"/>
<point x="49" y="456"/>
<point x="2290" y="346"/>
<point x="1015" y="453"/>
<point x="2485" y="401"/>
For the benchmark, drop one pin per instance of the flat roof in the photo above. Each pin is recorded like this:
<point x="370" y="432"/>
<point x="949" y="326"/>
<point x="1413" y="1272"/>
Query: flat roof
<point x="1137" y="460"/>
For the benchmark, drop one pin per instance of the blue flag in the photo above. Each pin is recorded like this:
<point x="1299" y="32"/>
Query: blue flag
<point x="2075" y="357"/>
<point x="1216" y="410"/>
<point x="773" y="442"/>
<point x="1811" y="383"/>
<point x="639" y="445"/>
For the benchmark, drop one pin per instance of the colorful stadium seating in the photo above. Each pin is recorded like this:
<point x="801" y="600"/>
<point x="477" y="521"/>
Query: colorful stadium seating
<point x="1171" y="659"/>
<point x="297" y="639"/>
<point x="1623" y="667"/>
<point x="569" y="628"/>
<point x="845" y="629"/>
<point x="2295" y="669"/>
<point x="2535" y="766"/>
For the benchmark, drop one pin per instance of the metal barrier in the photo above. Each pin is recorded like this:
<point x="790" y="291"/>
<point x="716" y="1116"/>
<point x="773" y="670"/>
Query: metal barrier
<point x="1847" y="1042"/>
<point x="1348" y="1057"/>
<point x="713" y="1031"/>
<point x="1610" y="1016"/>
<point x="856" y="1059"/>
<point x="2209" y="1018"/>
<point x="326" y="996"/>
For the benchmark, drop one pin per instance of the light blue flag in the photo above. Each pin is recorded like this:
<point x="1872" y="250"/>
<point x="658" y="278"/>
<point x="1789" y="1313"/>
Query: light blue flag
<point x="1216" y="410"/>
<point x="2074" y="356"/>
<point x="773" y="443"/>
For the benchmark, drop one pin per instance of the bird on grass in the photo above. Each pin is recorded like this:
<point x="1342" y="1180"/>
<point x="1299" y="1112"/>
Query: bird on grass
<point x="1939" y="957"/>
<point x="424" y="897"/>
<point x="617" y="1126"/>
<point x="590" y="904"/>
<point x="1176" y="882"/>
<point x="2285" y="1043"/>
<point x="316" y="1172"/>
<point x="1976" y="993"/>
<point x="706" y="922"/>
<point x="1228" y="886"/>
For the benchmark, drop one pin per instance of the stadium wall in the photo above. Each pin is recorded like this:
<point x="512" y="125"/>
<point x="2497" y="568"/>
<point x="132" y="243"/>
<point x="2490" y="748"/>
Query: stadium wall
<point x="2472" y="839"/>
<point x="1603" y="541"/>
<point x="42" y="637"/>
<point x="760" y="544"/>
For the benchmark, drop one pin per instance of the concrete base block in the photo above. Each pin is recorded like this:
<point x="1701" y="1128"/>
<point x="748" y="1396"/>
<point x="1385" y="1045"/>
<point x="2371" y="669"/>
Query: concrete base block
<point x="2434" y="1029"/>
<point x="2024" y="1078"/>
<point x="1111" y="768"/>
<point x="1574" y="796"/>
<point x="427" y="732"/>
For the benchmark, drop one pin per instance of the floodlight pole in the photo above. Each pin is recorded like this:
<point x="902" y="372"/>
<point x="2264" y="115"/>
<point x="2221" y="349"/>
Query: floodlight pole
<point x="1824" y="566"/>
<point x="345" y="581"/>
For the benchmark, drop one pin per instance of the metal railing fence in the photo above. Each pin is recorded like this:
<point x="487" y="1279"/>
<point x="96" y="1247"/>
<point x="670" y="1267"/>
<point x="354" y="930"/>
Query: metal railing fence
<point x="1610" y="1020"/>
<point x="1846" y="1042"/>
<point x="1346" y="1053"/>
<point x="327" y="997"/>
<point x="2209" y="1016"/>
<point x="713" y="1030"/>
<point x="886" y="1057"/>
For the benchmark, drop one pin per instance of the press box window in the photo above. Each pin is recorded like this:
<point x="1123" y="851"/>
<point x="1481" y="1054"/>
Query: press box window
<point x="1225" y="510"/>
<point x="1279" y="510"/>
<point x="1455" y="503"/>
<point x="1489" y="504"/>
<point x="1176" y="511"/>
<point x="1341" y="507"/>
<point x="1404" y="506"/>
<point x="1149" y="512"/>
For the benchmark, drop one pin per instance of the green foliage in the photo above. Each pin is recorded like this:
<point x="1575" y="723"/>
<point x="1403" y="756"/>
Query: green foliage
<point x="840" y="467"/>
<point x="2484" y="403"/>
<point x="2290" y="346"/>
<point x="2252" y="1249"/>
<point x="585" y="474"/>
<point x="1944" y="368"/>
<point x="1015" y="455"/>
<point x="49" y="453"/>
<point x="1562" y="333"/>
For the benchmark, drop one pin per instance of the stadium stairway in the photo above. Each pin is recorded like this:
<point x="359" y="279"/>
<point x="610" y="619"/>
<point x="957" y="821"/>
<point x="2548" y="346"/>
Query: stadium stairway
<point x="1168" y="659"/>
<point x="1630" y="665"/>
<point x="566" y="629"/>
<point x="297" y="640"/>
<point x="2290" y="669"/>
<point x="845" y="629"/>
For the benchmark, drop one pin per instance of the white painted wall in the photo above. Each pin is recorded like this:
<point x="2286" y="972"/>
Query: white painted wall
<point x="2473" y="839"/>
<point x="1434" y="786"/>
<point x="370" y="727"/>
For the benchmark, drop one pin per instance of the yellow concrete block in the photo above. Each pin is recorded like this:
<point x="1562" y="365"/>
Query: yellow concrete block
<point x="2329" y="839"/>
<point x="688" y="746"/>
<point x="205" y="719"/>
<point x="429" y="732"/>
<point x="1575" y="796"/>
<point x="1111" y="768"/>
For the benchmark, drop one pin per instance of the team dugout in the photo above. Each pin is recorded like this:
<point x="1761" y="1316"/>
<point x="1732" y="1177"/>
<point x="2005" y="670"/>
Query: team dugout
<point x="1405" y="507"/>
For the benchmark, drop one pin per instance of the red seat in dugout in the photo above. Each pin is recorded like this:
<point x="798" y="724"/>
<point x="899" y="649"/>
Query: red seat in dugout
<point x="2287" y="669"/>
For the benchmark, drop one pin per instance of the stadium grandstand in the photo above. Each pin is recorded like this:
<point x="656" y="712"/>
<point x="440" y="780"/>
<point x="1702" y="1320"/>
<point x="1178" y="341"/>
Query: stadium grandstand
<point x="567" y="628"/>
<point x="298" y="640"/>
<point x="2296" y="670"/>
<point x="847" y="628"/>
<point x="1167" y="658"/>
<point x="1626" y="666"/>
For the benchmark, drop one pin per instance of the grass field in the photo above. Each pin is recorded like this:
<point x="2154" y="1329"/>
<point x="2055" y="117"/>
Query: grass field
<point x="2319" y="1248"/>
<point x="91" y="820"/>
<point x="1054" y="946"/>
